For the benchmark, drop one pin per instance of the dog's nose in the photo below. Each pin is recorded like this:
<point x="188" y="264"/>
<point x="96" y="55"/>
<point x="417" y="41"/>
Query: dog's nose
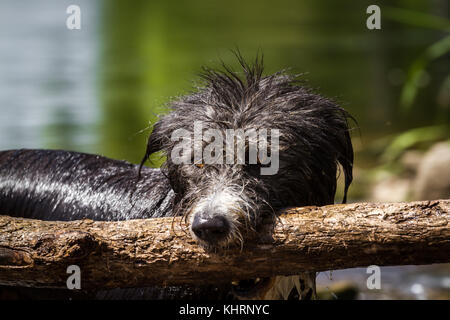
<point x="211" y="229"/>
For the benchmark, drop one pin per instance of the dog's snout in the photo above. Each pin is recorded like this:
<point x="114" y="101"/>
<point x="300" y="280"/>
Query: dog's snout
<point x="211" y="229"/>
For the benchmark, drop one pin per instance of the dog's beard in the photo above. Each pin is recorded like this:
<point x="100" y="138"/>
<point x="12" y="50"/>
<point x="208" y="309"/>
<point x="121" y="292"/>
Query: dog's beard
<point x="231" y="203"/>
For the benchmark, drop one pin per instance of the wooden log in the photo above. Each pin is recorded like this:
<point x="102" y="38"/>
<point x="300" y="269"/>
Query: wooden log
<point x="160" y="251"/>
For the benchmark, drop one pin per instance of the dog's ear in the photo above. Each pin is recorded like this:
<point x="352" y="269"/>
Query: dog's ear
<point x="346" y="160"/>
<point x="154" y="143"/>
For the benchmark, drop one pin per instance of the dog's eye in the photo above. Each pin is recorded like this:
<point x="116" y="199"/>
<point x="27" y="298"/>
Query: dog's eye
<point x="199" y="165"/>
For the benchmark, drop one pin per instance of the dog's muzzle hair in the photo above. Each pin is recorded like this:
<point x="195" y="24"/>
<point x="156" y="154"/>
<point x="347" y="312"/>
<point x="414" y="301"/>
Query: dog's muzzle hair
<point x="220" y="211"/>
<point x="224" y="202"/>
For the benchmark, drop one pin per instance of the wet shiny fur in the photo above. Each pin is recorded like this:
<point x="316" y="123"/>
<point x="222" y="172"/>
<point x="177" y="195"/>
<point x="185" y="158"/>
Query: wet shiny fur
<point x="63" y="185"/>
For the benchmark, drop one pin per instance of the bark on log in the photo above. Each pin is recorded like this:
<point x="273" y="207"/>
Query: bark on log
<point x="139" y="253"/>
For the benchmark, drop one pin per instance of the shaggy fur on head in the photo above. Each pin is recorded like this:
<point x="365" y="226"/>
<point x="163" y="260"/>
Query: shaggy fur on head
<point x="314" y="139"/>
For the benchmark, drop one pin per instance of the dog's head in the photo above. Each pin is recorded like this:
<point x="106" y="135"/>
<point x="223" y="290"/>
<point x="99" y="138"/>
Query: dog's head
<point x="246" y="145"/>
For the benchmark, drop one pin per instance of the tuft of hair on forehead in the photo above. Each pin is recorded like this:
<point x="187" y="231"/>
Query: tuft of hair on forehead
<point x="233" y="91"/>
<point x="316" y="127"/>
<point x="232" y="88"/>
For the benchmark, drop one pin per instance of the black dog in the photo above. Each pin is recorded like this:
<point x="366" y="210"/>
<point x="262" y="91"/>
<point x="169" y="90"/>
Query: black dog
<point x="225" y="195"/>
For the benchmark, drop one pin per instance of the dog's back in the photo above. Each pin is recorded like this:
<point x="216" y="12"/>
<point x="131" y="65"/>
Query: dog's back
<point x="62" y="185"/>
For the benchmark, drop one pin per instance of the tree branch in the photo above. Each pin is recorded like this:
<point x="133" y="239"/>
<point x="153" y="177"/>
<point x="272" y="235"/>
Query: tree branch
<point x="159" y="251"/>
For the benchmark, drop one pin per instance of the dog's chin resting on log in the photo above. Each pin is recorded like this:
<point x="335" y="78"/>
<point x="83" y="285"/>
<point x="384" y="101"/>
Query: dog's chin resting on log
<point x="223" y="201"/>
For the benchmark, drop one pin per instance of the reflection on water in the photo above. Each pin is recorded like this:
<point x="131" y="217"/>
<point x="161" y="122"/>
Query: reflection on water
<point x="405" y="282"/>
<point x="47" y="77"/>
<point x="95" y="89"/>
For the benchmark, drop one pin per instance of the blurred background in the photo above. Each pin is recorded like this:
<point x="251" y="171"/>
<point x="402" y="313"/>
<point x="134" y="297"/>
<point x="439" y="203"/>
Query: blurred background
<point x="98" y="89"/>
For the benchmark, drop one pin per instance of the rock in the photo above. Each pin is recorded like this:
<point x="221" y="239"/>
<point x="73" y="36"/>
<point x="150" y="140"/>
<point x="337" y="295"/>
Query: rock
<point x="410" y="161"/>
<point x="433" y="174"/>
<point x="391" y="189"/>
